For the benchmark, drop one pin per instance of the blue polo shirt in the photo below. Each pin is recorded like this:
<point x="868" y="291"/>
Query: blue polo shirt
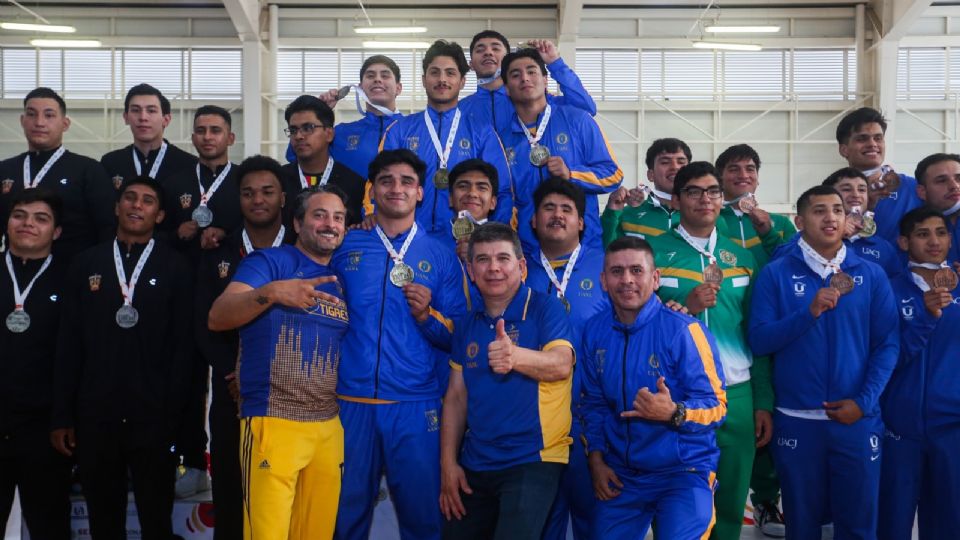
<point x="513" y="418"/>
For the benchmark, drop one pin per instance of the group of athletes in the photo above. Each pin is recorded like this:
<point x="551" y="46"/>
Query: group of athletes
<point x="437" y="299"/>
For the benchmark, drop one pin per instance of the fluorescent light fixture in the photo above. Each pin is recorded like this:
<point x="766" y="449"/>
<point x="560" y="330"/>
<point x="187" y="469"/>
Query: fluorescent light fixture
<point x="395" y="45"/>
<point x="718" y="29"/>
<point x="37" y="27"/>
<point x="389" y="29"/>
<point x="66" y="43"/>
<point x="726" y="46"/>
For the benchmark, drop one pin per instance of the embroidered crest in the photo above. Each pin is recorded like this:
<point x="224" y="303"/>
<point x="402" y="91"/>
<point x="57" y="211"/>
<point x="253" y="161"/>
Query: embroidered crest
<point x="728" y="258"/>
<point x="586" y="284"/>
<point x="117" y="181"/>
<point x="413" y="143"/>
<point x="353" y="142"/>
<point x="223" y="269"/>
<point x="472" y="349"/>
<point x="563" y="138"/>
<point x="185" y="200"/>
<point x="94" y="281"/>
<point x="465" y="144"/>
<point x="7" y="185"/>
<point x="424" y="266"/>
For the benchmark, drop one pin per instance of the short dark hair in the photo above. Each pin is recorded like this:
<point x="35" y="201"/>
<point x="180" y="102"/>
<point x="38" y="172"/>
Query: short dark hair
<point x="669" y="146"/>
<point x="692" y="171"/>
<point x="259" y="163"/>
<point x="929" y="161"/>
<point x="214" y="109"/>
<point x="307" y="102"/>
<point x="489" y="34"/>
<point x="494" y="231"/>
<point x="303" y="199"/>
<point x="561" y="187"/>
<point x="480" y="166"/>
<point x="142" y="180"/>
<point x="816" y="191"/>
<point x="442" y="47"/>
<point x="737" y="152"/>
<point x="840" y="174"/>
<point x="525" y="52"/>
<point x="47" y="93"/>
<point x="144" y="89"/>
<point x="49" y="197"/>
<point x="857" y="119"/>
<point x="392" y="157"/>
<point x="625" y="243"/>
<point x="915" y="217"/>
<point x="380" y="59"/>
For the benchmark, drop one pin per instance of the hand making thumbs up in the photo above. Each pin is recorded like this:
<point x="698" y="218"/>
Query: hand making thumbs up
<point x="500" y="351"/>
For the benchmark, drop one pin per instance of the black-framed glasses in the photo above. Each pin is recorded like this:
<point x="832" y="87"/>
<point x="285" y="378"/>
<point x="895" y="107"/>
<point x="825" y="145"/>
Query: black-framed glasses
<point x="694" y="192"/>
<point x="306" y="129"/>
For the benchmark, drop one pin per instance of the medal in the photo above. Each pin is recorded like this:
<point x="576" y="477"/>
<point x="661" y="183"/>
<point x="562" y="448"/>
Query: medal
<point x="946" y="278"/>
<point x="869" y="225"/>
<point x="441" y="178"/>
<point x="401" y="274"/>
<point x="27" y="182"/>
<point x="202" y="215"/>
<point x="855" y="217"/>
<point x="324" y="178"/>
<point x="890" y="179"/>
<point x="747" y="203"/>
<point x="362" y="96"/>
<point x="127" y="316"/>
<point x="539" y="155"/>
<point x="842" y="282"/>
<point x="713" y="274"/>
<point x="156" y="164"/>
<point x="561" y="284"/>
<point x="343" y="92"/>
<point x="462" y="228"/>
<point x="18" y="321"/>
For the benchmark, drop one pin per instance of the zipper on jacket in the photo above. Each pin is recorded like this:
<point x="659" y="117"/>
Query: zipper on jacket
<point x="623" y="390"/>
<point x="436" y="190"/>
<point x="383" y="303"/>
<point x="493" y="112"/>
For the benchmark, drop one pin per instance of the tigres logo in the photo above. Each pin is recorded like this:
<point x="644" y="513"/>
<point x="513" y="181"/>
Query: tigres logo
<point x="223" y="269"/>
<point x="94" y="281"/>
<point x="185" y="200"/>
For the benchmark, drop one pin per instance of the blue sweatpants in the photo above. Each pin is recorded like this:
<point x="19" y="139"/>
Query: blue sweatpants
<point x="575" y="498"/>
<point x="682" y="504"/>
<point x="403" y="440"/>
<point x="921" y="477"/>
<point x="828" y="469"/>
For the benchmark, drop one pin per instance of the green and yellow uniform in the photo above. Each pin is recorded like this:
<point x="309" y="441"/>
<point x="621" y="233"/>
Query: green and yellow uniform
<point x="736" y="226"/>
<point x="652" y="218"/>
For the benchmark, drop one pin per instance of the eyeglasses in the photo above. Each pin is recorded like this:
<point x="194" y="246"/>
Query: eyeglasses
<point x="306" y="129"/>
<point x="697" y="192"/>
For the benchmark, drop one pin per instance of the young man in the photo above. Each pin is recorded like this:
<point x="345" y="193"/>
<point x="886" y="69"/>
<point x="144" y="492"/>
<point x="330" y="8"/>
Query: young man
<point x="921" y="402"/>
<point x="291" y="316"/>
<point x="202" y="200"/>
<point x="569" y="270"/>
<point x="744" y="222"/>
<point x="938" y="186"/>
<point x="828" y="319"/>
<point x="444" y="135"/>
<point x="147" y="111"/>
<point x="79" y="181"/>
<point x="711" y="274"/>
<point x="261" y="203"/>
<point x="310" y="128"/>
<point x="473" y="197"/>
<point x="403" y="289"/>
<point x="512" y="360"/>
<point x="652" y="384"/>
<point x="123" y="366"/>
<point x="491" y="105"/>
<point x="635" y="212"/>
<point x="543" y="141"/>
<point x="32" y="287"/>
<point x="860" y="136"/>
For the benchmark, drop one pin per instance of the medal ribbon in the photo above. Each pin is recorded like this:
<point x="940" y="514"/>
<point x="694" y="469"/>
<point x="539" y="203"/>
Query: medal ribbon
<point x="534" y="140"/>
<point x="248" y="245"/>
<point x="952" y="210"/>
<point x="826" y="267"/>
<point x="27" y="182"/>
<point x="156" y="164"/>
<point x="487" y="80"/>
<point x="567" y="271"/>
<point x="661" y="194"/>
<point x="920" y="282"/>
<point x="20" y="298"/>
<point x="127" y="288"/>
<point x="206" y="196"/>
<point x="397" y="256"/>
<point x="443" y="153"/>
<point x="711" y="243"/>
<point x="362" y="96"/>
<point x="323" y="179"/>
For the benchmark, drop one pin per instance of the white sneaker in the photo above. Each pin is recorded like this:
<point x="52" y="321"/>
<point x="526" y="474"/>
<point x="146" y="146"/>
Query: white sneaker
<point x="190" y="482"/>
<point x="769" y="520"/>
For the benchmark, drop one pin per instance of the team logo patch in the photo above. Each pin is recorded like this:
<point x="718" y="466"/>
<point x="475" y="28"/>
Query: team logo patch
<point x="223" y="269"/>
<point x="511" y="155"/>
<point x="94" y="282"/>
<point x="433" y="420"/>
<point x="465" y="144"/>
<point x="354" y="257"/>
<point x="413" y="143"/>
<point x="472" y="349"/>
<point x="563" y="138"/>
<point x="654" y="361"/>
<point x="586" y="284"/>
<point x="7" y="185"/>
<point x="728" y="258"/>
<point x="117" y="181"/>
<point x="424" y="266"/>
<point x="353" y="142"/>
<point x="907" y="312"/>
<point x="185" y="200"/>
<point x="799" y="289"/>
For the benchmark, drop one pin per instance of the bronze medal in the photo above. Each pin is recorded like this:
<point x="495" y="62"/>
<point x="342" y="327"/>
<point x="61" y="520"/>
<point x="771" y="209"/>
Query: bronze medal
<point x="441" y="179"/>
<point x="891" y="180"/>
<point x="713" y="274"/>
<point x="946" y="278"/>
<point x="842" y="282"/>
<point x="539" y="155"/>
<point x="401" y="274"/>
<point x="462" y="228"/>
<point x="747" y="203"/>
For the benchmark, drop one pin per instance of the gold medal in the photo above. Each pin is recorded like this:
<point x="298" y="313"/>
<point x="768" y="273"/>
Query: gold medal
<point x="539" y="155"/>
<point x="747" y="203"/>
<point x="401" y="274"/>
<point x="869" y="226"/>
<point x="441" y="179"/>
<point x="462" y="228"/>
<point x="842" y="282"/>
<point x="713" y="274"/>
<point x="946" y="278"/>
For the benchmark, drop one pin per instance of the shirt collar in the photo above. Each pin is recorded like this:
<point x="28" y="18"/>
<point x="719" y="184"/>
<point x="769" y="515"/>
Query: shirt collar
<point x="516" y="309"/>
<point x="643" y="317"/>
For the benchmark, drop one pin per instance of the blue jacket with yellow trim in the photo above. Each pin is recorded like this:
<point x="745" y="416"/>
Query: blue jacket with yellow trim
<point x="470" y="293"/>
<point x="386" y="354"/>
<point x="473" y="140"/>
<point x="355" y="144"/>
<point x="573" y="135"/>
<point x="846" y="353"/>
<point x="493" y="107"/>
<point x="618" y="360"/>
<point x="924" y="390"/>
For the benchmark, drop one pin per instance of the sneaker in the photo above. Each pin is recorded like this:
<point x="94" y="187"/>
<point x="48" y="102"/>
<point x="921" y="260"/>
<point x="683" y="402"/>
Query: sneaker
<point x="190" y="482"/>
<point x="768" y="518"/>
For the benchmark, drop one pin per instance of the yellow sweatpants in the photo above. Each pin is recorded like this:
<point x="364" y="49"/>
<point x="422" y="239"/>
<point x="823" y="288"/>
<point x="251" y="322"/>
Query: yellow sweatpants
<point x="291" y="477"/>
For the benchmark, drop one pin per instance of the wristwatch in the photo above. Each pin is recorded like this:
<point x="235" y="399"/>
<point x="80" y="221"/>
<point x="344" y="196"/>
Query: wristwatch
<point x="679" y="416"/>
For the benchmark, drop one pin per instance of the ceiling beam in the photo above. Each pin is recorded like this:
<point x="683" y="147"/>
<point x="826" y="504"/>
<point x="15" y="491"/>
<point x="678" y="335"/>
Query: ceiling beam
<point x="245" y="15"/>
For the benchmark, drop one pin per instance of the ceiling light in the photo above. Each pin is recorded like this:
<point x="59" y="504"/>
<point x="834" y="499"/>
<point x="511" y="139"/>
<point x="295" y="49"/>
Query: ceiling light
<point x="718" y="29"/>
<point x="65" y="43"/>
<point x="726" y="46"/>
<point x="395" y="45"/>
<point x="36" y="27"/>
<point x="389" y="29"/>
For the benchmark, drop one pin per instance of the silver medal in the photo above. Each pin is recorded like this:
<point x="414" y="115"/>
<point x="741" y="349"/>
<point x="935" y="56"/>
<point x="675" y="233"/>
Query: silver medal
<point x="401" y="274"/>
<point x="18" y="321"/>
<point x="202" y="215"/>
<point x="127" y="316"/>
<point x="539" y="155"/>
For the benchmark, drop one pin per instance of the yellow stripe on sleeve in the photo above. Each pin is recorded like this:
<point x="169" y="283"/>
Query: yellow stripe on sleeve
<point x="443" y="320"/>
<point x="713" y="414"/>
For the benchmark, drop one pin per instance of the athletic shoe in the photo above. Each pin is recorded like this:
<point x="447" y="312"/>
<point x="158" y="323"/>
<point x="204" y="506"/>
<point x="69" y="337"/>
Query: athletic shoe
<point x="190" y="482"/>
<point x="768" y="518"/>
